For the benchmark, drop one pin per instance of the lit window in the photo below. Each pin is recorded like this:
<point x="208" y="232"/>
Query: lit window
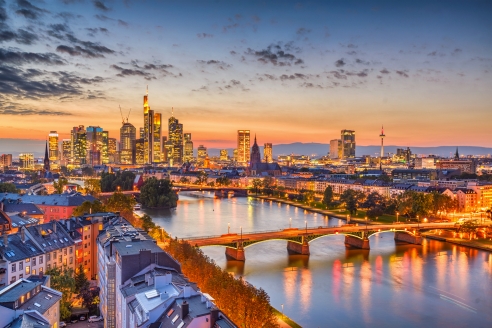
<point x="28" y="269"/>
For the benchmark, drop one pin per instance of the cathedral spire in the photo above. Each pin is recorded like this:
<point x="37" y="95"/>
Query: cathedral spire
<point x="46" y="158"/>
<point x="457" y="155"/>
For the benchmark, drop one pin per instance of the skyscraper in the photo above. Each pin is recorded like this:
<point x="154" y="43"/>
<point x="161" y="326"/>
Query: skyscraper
<point x="268" y="153"/>
<point x="335" y="148"/>
<point x="148" y="128"/>
<point x="66" y="151"/>
<point x="127" y="139"/>
<point x="78" y="138"/>
<point x="176" y="138"/>
<point x="157" y="146"/>
<point x="188" y="148"/>
<point x="26" y="161"/>
<point x="138" y="152"/>
<point x="97" y="145"/>
<point x="243" y="146"/>
<point x="224" y="156"/>
<point x="202" y="154"/>
<point x="105" y="147"/>
<point x="348" y="144"/>
<point x="382" y="148"/>
<point x="112" y="150"/>
<point x="54" y="155"/>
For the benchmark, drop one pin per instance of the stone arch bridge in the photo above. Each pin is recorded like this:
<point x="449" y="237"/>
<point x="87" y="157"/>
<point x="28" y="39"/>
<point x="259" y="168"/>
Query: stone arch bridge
<point x="298" y="239"/>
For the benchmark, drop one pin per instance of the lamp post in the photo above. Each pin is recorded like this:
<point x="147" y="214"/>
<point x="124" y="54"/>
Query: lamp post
<point x="397" y="214"/>
<point x="228" y="227"/>
<point x="305" y="221"/>
<point x="290" y="223"/>
<point x="241" y="233"/>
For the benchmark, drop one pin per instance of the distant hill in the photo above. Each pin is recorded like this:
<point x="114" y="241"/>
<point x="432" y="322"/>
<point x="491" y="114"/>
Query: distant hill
<point x="17" y="146"/>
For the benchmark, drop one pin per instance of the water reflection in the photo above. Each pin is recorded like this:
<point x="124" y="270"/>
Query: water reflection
<point x="393" y="284"/>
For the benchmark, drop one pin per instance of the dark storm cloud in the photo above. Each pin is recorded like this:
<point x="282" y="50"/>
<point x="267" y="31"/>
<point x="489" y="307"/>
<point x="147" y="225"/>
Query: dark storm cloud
<point x="132" y="72"/>
<point x="204" y="35"/>
<point x="402" y="73"/>
<point x="17" y="57"/>
<point x="340" y="63"/>
<point x="277" y="54"/>
<point x="100" y="5"/>
<point x="28" y="10"/>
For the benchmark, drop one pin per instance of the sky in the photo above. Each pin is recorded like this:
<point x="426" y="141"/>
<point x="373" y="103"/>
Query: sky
<point x="290" y="71"/>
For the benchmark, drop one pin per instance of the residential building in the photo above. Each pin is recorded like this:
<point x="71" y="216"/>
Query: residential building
<point x="335" y="148"/>
<point x="468" y="166"/>
<point x="410" y="174"/>
<point x="467" y="200"/>
<point x="5" y="160"/>
<point x="27" y="303"/>
<point x="243" y="146"/>
<point x="484" y="194"/>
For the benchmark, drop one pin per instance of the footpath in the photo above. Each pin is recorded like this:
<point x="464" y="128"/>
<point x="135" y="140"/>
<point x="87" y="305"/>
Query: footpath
<point x="459" y="241"/>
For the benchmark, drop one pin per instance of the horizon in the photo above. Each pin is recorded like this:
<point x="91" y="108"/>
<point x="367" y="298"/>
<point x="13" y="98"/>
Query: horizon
<point x="292" y="70"/>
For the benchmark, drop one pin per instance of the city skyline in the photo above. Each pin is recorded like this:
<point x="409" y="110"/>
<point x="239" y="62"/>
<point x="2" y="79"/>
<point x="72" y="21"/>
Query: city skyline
<point x="290" y="72"/>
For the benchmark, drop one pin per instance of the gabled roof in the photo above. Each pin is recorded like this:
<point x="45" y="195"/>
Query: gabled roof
<point x="69" y="199"/>
<point x="17" y="250"/>
<point x="49" y="238"/>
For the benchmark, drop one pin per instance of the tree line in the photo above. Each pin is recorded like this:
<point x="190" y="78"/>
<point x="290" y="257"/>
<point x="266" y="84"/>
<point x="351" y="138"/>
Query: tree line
<point x="244" y="304"/>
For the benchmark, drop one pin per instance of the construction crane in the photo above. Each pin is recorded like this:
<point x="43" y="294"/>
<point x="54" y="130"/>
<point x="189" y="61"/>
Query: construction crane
<point x="122" y="119"/>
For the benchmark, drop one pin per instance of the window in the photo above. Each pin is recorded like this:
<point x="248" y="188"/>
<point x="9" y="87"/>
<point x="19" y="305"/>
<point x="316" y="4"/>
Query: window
<point x="85" y="245"/>
<point x="33" y="271"/>
<point x="71" y="260"/>
<point x="40" y="260"/>
<point x="13" y="267"/>
<point x="21" y="276"/>
<point x="48" y="257"/>
<point x="64" y="251"/>
<point x="70" y="250"/>
<point x="65" y="262"/>
<point x="60" y="259"/>
<point x="22" y="299"/>
<point x="33" y="261"/>
<point x="85" y="262"/>
<point x="21" y="266"/>
<point x="13" y="278"/>
<point x="48" y="267"/>
<point x="54" y="255"/>
<point x="28" y="269"/>
<point x="54" y="265"/>
<point x="27" y="260"/>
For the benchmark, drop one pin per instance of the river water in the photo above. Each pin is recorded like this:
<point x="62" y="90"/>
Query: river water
<point x="392" y="285"/>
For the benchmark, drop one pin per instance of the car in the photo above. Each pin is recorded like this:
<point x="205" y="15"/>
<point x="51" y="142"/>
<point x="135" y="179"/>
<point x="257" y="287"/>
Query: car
<point x="74" y="320"/>
<point x="82" y="318"/>
<point x="95" y="318"/>
<point x="62" y="324"/>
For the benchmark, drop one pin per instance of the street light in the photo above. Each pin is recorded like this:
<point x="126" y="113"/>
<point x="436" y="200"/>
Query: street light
<point x="397" y="213"/>
<point x="290" y="223"/>
<point x="228" y="227"/>
<point x="241" y="233"/>
<point x="305" y="221"/>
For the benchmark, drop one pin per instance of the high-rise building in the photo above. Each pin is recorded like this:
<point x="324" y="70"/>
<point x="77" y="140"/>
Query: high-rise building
<point x="348" y="144"/>
<point x="243" y="146"/>
<point x="138" y="152"/>
<point x="97" y="145"/>
<point x="224" y="155"/>
<point x="169" y="152"/>
<point x="5" y="160"/>
<point x="66" y="151"/>
<point x="148" y="135"/>
<point x="113" y="150"/>
<point x="157" y="146"/>
<point x="141" y="133"/>
<point x="188" y="148"/>
<point x="105" y="147"/>
<point x="78" y="154"/>
<point x="176" y="137"/>
<point x="335" y="148"/>
<point x="382" y="148"/>
<point x="26" y="161"/>
<point x="202" y="154"/>
<point x="54" y="153"/>
<point x="268" y="153"/>
<point x="234" y="155"/>
<point x="127" y="139"/>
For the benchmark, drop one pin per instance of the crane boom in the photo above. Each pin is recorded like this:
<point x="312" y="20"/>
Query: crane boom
<point x="128" y="115"/>
<point x="122" y="119"/>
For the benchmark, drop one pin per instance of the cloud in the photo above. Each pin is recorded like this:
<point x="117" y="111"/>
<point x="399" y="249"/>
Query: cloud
<point x="384" y="71"/>
<point x="17" y="57"/>
<point x="123" y="23"/>
<point x="219" y="64"/>
<point x="284" y="77"/>
<point x="95" y="30"/>
<point x="302" y="31"/>
<point x="204" y="35"/>
<point x="360" y="61"/>
<point x="402" y="73"/>
<point x="17" y="110"/>
<point x="340" y="63"/>
<point x="255" y="19"/>
<point x="100" y="5"/>
<point x="276" y="54"/>
<point x="132" y="72"/>
<point x="78" y="47"/>
<point x="434" y="53"/>
<point x="28" y="10"/>
<point x="363" y="73"/>
<point x="232" y="52"/>
<point x="456" y="51"/>
<point x="339" y="75"/>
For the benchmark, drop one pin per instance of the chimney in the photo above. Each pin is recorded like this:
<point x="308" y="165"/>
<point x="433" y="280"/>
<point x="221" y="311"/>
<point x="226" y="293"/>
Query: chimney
<point x="23" y="234"/>
<point x="54" y="226"/>
<point x="68" y="224"/>
<point x="185" y="309"/>
<point x="6" y="240"/>
<point x="214" y="316"/>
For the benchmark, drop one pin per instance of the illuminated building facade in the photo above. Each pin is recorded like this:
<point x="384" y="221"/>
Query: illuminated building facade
<point x="348" y="144"/>
<point x="54" y="155"/>
<point x="234" y="155"/>
<point x="138" y="152"/>
<point x="113" y="150"/>
<point x="97" y="145"/>
<point x="188" y="148"/>
<point x="176" y="138"/>
<point x="5" y="160"/>
<point x="268" y="153"/>
<point x="202" y="154"/>
<point x="127" y="139"/>
<point x="335" y="148"/>
<point x="105" y="147"/>
<point x="243" y="146"/>
<point x="78" y="138"/>
<point x="169" y="152"/>
<point x="26" y="161"/>
<point x="224" y="156"/>
<point x="148" y="131"/>
<point x="66" y="151"/>
<point x="157" y="132"/>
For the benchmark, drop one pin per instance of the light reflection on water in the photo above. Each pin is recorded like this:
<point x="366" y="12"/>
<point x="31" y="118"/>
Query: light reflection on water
<point x="393" y="284"/>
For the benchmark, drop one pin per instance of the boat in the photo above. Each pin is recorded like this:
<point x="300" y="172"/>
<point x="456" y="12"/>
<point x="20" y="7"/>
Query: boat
<point x="137" y="207"/>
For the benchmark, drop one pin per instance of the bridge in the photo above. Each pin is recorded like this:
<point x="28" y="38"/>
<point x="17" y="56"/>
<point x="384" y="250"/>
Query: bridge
<point x="298" y="239"/>
<point x="220" y="192"/>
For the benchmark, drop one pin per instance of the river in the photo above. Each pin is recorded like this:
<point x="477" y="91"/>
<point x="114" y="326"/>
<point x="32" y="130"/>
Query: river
<point x="392" y="285"/>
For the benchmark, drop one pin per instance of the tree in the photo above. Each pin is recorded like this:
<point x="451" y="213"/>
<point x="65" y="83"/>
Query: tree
<point x="223" y="181"/>
<point x="8" y="187"/>
<point x="80" y="279"/>
<point x="152" y="229"/>
<point x="185" y="180"/>
<point x="256" y="184"/>
<point x="469" y="227"/>
<point x="89" y="207"/>
<point x="202" y="178"/>
<point x="90" y="298"/>
<point x="158" y="193"/>
<point x="352" y="199"/>
<point x="119" y="180"/>
<point x="87" y="171"/>
<point x="58" y="185"/>
<point x="328" y="196"/>
<point x="92" y="186"/>
<point x="63" y="281"/>
<point x="119" y="202"/>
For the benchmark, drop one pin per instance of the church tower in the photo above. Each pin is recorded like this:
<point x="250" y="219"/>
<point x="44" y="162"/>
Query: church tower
<point x="255" y="157"/>
<point x="46" y="159"/>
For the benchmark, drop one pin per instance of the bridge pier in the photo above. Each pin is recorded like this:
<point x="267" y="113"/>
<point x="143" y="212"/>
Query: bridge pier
<point x="235" y="253"/>
<point x="297" y="248"/>
<point x="357" y="242"/>
<point x="408" y="238"/>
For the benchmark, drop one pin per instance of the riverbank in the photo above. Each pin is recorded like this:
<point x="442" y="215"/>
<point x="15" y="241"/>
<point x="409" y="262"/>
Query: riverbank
<point x="484" y="245"/>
